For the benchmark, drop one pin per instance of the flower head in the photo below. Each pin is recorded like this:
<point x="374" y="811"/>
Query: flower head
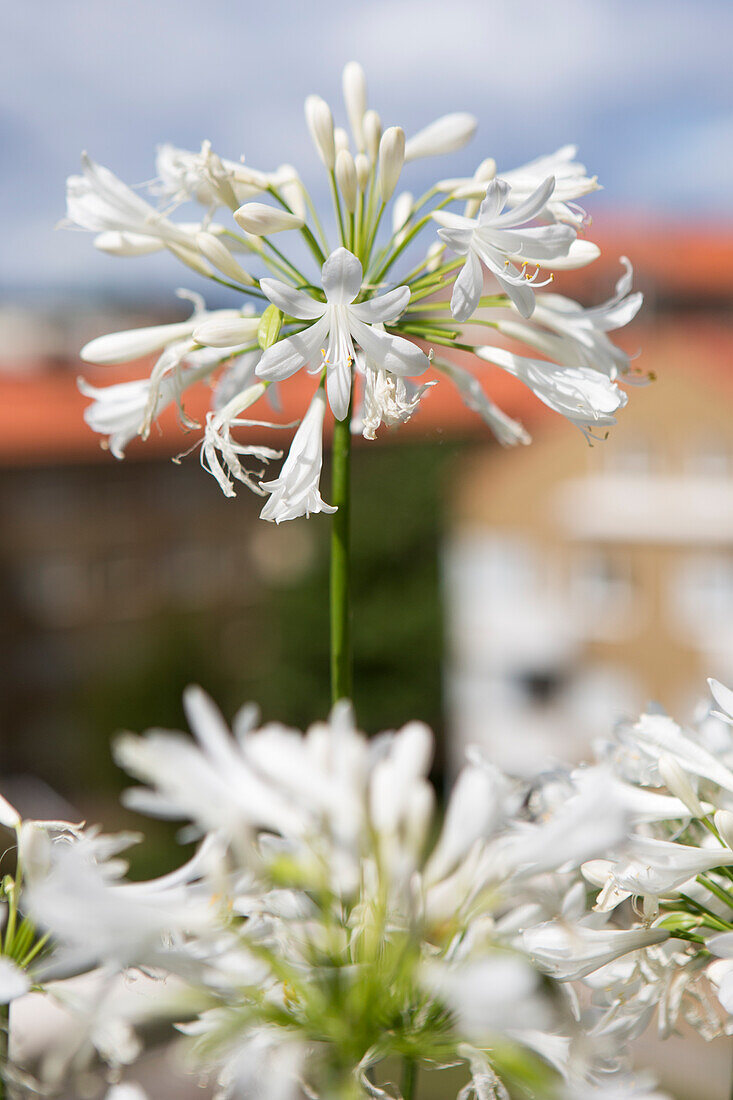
<point x="329" y="342"/>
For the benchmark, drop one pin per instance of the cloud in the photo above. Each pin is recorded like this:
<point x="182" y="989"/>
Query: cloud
<point x="629" y="81"/>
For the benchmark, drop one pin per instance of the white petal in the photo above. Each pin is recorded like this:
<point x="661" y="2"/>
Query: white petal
<point x="496" y="194"/>
<point x="467" y="288"/>
<point x="291" y="301"/>
<point x="287" y="356"/>
<point x="338" y="385"/>
<point x="9" y="816"/>
<point x="386" y="307"/>
<point x="341" y="277"/>
<point x="580" y="254"/>
<point x="722" y="695"/>
<point x="13" y="981"/>
<point x="531" y="206"/>
<point x="392" y="353"/>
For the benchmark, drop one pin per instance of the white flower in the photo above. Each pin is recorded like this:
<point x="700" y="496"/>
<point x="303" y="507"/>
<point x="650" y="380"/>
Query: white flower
<point x="96" y="920"/>
<point x="388" y="400"/>
<point x="494" y="239"/>
<point x="568" y="953"/>
<point x="571" y="182"/>
<point x="657" y="734"/>
<point x="296" y="491"/>
<point x="218" y="441"/>
<point x="99" y="201"/>
<point x="118" y="411"/>
<point x="588" y="821"/>
<point x="205" y="177"/>
<point x="491" y="995"/>
<point x="584" y="396"/>
<point x="578" y="336"/>
<point x="338" y="323"/>
<point x="654" y="868"/>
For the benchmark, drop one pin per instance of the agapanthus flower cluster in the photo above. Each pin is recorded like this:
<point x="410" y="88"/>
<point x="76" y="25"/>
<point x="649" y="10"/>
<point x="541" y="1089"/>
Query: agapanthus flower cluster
<point x="367" y="316"/>
<point x="332" y="925"/>
<point x="673" y="874"/>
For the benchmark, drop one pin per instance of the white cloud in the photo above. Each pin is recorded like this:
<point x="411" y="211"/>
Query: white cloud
<point x="616" y="75"/>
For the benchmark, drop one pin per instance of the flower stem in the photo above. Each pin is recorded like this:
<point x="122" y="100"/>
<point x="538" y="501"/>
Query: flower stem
<point x="341" y="659"/>
<point x="409" y="1077"/>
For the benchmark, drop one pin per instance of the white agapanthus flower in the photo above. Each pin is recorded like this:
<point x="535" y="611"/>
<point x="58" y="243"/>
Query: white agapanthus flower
<point x="295" y="492"/>
<point x="329" y="342"/>
<point x="495" y="238"/>
<point x="576" y="336"/>
<point x="585" y="397"/>
<point x="571" y="182"/>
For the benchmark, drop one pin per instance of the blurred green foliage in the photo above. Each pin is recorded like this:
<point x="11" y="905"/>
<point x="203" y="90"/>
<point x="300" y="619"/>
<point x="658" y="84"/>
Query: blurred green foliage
<point x="276" y="651"/>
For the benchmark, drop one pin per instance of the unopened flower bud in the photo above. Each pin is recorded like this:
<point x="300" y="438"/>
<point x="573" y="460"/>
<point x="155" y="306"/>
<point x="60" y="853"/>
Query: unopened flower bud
<point x="320" y="123"/>
<point x="227" y="331"/>
<point x="486" y="170"/>
<point x="724" y="824"/>
<point x="677" y="783"/>
<point x="219" y="256"/>
<point x="372" y="126"/>
<point x="355" y="98"/>
<point x="292" y="190"/>
<point x="260" y="219"/>
<point x="445" y="135"/>
<point x="190" y="258"/>
<point x="434" y="254"/>
<point x="117" y="243"/>
<point x="340" y="140"/>
<point x="9" y="816"/>
<point x="401" y="210"/>
<point x="391" y="159"/>
<point x="362" y="170"/>
<point x="346" y="179"/>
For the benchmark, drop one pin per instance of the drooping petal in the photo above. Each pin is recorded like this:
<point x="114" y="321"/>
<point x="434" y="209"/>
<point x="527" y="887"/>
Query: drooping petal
<point x="521" y="294"/>
<point x="341" y="277"/>
<point x="287" y="356"/>
<point x="386" y="307"/>
<point x="580" y="254"/>
<point x="338" y="386"/>
<point x="392" y="353"/>
<point x="291" y="301"/>
<point x="467" y="288"/>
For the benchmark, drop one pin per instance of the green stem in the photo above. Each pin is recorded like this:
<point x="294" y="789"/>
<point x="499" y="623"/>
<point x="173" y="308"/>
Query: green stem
<point x="341" y="659"/>
<point x="409" y="1078"/>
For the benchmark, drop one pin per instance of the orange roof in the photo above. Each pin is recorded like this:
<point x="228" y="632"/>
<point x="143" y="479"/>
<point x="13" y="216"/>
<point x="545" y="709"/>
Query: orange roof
<point x="43" y="411"/>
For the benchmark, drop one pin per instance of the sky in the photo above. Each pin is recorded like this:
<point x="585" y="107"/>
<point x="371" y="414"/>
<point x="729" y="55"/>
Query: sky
<point x="644" y="87"/>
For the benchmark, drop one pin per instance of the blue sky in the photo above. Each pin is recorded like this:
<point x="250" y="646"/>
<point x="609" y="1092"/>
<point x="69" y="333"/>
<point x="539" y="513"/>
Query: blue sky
<point x="643" y="86"/>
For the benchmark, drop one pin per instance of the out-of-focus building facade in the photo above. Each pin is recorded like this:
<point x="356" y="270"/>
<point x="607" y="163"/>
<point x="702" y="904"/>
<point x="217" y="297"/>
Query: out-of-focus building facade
<point x="583" y="582"/>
